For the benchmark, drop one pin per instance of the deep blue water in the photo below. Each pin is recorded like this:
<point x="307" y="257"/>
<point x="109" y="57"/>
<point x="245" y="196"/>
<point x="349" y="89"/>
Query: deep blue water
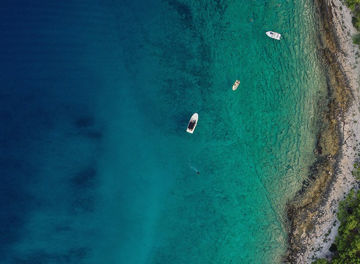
<point x="95" y="164"/>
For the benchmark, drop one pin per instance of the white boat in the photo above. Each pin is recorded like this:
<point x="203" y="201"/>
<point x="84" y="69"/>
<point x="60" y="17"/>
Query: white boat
<point x="236" y="85"/>
<point x="192" y="123"/>
<point x="273" y="35"/>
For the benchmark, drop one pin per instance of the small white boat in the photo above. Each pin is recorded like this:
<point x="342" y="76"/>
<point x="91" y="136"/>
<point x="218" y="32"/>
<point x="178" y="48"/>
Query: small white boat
<point x="236" y="85"/>
<point x="192" y="123"/>
<point x="274" y="35"/>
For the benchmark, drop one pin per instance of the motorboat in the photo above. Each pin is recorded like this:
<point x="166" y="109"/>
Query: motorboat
<point x="235" y="85"/>
<point x="192" y="123"/>
<point x="274" y="35"/>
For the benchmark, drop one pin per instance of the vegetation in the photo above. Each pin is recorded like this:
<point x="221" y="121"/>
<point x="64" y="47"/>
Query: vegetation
<point x="346" y="248"/>
<point x="354" y="5"/>
<point x="356" y="39"/>
<point x="356" y="171"/>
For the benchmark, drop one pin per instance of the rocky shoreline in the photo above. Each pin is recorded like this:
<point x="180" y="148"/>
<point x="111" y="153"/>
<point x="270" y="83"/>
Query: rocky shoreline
<point x="312" y="213"/>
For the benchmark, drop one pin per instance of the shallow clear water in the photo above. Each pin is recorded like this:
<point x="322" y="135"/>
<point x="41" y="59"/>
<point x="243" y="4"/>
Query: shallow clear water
<point x="95" y="162"/>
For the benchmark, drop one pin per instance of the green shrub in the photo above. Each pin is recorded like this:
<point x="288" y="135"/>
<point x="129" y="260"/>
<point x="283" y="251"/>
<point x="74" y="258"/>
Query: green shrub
<point x="356" y="170"/>
<point x="353" y="4"/>
<point x="356" y="23"/>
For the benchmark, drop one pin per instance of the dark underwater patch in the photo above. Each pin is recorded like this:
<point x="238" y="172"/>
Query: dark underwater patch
<point x="84" y="122"/>
<point x="62" y="228"/>
<point x="83" y="184"/>
<point x="84" y="178"/>
<point x="183" y="10"/>
<point x="86" y="126"/>
<point x="220" y="6"/>
<point x="15" y="201"/>
<point x="94" y="134"/>
<point x="72" y="256"/>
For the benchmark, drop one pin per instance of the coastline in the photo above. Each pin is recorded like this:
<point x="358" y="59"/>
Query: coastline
<point x="311" y="214"/>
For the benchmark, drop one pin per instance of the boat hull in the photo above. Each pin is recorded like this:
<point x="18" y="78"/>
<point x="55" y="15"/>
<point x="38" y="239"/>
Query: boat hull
<point x="273" y="35"/>
<point x="192" y="123"/>
<point x="236" y="85"/>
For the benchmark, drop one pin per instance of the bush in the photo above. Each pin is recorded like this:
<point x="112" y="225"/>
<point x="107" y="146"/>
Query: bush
<point x="333" y="248"/>
<point x="356" y="170"/>
<point x="353" y="4"/>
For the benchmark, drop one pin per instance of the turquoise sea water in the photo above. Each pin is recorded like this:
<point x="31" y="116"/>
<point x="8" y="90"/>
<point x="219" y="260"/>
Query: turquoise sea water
<point x="96" y="96"/>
